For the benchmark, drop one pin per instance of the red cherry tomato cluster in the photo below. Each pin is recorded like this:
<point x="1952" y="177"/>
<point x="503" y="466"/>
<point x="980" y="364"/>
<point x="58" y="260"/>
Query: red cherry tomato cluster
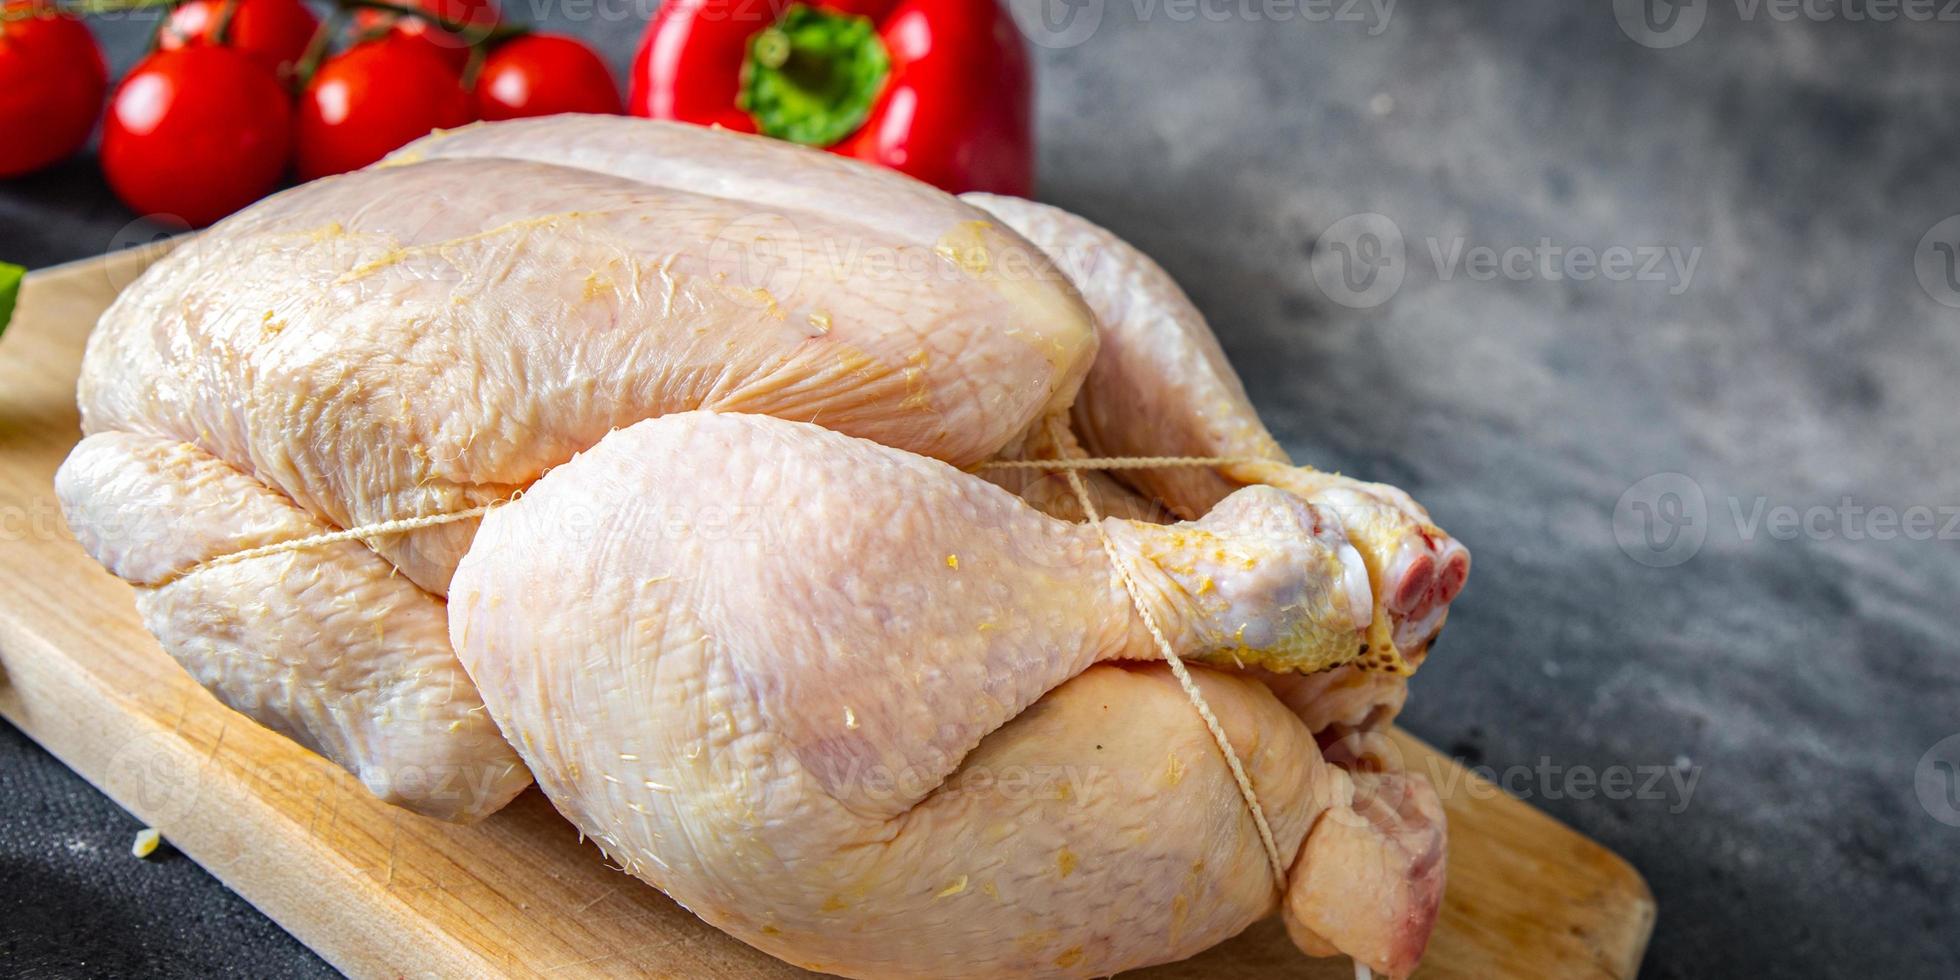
<point x="239" y="92"/>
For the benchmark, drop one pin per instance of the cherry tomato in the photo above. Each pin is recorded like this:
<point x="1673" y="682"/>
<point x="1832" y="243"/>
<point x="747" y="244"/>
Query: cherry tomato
<point x="198" y="132"/>
<point x="277" y="31"/>
<point x="479" y="15"/>
<point x="543" y="74"/>
<point x="51" y="85"/>
<point x="372" y="98"/>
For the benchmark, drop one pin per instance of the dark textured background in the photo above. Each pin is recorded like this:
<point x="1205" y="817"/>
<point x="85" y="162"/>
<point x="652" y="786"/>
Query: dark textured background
<point x="1802" y="682"/>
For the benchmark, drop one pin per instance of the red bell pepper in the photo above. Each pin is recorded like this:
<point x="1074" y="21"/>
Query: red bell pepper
<point x="939" y="89"/>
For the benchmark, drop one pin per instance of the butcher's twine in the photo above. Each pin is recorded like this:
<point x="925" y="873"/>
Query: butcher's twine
<point x="1119" y="462"/>
<point x="361" y="533"/>
<point x="1124" y="575"/>
<point x="1071" y="467"/>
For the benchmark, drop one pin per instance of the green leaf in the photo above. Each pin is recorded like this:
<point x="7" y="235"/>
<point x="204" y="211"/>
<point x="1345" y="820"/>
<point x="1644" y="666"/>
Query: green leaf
<point x="10" y="277"/>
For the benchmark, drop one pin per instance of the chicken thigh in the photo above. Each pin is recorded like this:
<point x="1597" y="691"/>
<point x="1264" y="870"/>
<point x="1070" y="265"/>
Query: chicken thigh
<point x="891" y="721"/>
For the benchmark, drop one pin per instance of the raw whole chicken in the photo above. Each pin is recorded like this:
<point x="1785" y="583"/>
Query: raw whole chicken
<point x="743" y="605"/>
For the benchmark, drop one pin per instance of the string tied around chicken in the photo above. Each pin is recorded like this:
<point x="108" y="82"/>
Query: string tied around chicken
<point x="1070" y="466"/>
<point x="1058" y="435"/>
<point x="1119" y="462"/>
<point x="382" y="529"/>
<point x="363" y="532"/>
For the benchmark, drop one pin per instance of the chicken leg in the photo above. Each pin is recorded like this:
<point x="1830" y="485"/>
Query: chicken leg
<point x="878" y="721"/>
<point x="1161" y="385"/>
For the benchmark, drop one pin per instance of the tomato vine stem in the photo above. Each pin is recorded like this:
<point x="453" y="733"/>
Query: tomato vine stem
<point x="221" y="32"/>
<point x="474" y="33"/>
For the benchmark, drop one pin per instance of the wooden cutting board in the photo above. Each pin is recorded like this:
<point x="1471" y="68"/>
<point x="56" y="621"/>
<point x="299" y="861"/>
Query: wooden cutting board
<point x="378" y="891"/>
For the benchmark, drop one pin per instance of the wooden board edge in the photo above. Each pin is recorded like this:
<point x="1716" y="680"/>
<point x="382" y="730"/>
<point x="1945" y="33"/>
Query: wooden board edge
<point x="1620" y="951"/>
<point x="81" y="722"/>
<point x="63" y="710"/>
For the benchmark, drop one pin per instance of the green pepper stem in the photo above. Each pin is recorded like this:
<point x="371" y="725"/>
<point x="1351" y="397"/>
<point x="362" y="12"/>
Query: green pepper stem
<point x="771" y="48"/>
<point x="814" y="75"/>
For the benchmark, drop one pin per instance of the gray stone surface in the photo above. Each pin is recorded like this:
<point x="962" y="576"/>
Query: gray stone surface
<point x="1784" y="689"/>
